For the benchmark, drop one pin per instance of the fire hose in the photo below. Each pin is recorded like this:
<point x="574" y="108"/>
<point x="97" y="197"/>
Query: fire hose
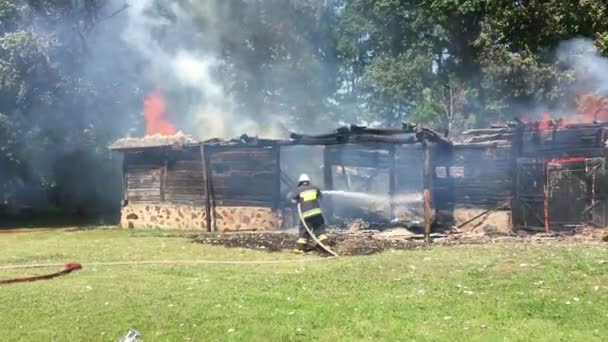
<point x="312" y="235"/>
<point x="67" y="268"/>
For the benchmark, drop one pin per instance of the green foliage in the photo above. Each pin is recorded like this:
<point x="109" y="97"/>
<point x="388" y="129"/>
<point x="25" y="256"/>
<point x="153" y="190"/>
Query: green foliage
<point x="69" y="84"/>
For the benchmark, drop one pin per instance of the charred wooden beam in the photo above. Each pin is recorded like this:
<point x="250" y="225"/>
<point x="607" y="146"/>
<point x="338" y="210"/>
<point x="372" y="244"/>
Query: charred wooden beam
<point x="488" y="131"/>
<point x="426" y="175"/>
<point x="125" y="180"/>
<point x="328" y="180"/>
<point x="491" y="137"/>
<point x="163" y="180"/>
<point x="207" y="178"/>
<point x="378" y="131"/>
<point x="242" y="202"/>
<point x="277" y="178"/>
<point x="392" y="183"/>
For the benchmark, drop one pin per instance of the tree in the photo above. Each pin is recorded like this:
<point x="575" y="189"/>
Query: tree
<point x="53" y="100"/>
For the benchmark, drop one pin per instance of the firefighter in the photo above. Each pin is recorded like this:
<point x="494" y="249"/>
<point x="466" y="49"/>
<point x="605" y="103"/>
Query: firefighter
<point x="308" y="196"/>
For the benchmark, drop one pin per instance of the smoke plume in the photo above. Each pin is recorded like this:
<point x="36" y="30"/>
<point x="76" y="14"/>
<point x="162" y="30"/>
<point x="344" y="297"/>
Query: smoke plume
<point x="185" y="59"/>
<point x="590" y="68"/>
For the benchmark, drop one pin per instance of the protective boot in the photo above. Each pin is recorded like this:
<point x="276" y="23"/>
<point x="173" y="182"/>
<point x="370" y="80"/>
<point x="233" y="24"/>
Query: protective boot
<point x="324" y="239"/>
<point x="301" y="245"/>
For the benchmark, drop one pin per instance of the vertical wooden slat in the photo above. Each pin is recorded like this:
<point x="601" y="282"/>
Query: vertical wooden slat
<point x="125" y="179"/>
<point x="328" y="181"/>
<point x="277" y="178"/>
<point x="546" y="196"/>
<point x="392" y="182"/>
<point x="426" y="175"/>
<point x="206" y="177"/>
<point x="163" y="180"/>
<point x="516" y="152"/>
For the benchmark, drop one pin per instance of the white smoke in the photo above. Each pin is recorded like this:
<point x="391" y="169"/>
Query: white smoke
<point x="211" y="111"/>
<point x="584" y="59"/>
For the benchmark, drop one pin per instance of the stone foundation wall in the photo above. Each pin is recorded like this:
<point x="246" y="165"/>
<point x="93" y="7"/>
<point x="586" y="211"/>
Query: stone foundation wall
<point x="171" y="216"/>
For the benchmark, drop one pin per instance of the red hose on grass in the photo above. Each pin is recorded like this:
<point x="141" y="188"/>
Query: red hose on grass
<point x="68" y="268"/>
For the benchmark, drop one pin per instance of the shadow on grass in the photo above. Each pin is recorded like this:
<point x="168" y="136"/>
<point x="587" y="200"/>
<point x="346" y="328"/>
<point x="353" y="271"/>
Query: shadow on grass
<point x="55" y="220"/>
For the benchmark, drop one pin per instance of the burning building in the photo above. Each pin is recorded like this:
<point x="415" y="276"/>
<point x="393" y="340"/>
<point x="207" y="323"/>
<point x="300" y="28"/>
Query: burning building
<point x="177" y="182"/>
<point x="546" y="175"/>
<point x="560" y="178"/>
<point x="216" y="185"/>
<point x="539" y="176"/>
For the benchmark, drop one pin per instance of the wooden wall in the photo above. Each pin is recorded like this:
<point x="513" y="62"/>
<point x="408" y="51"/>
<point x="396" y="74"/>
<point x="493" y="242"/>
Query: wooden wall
<point x="184" y="182"/>
<point x="142" y="177"/>
<point x="481" y="176"/>
<point x="245" y="176"/>
<point x="239" y="176"/>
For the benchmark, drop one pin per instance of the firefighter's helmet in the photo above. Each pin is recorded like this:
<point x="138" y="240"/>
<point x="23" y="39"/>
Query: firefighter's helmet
<point x="303" y="178"/>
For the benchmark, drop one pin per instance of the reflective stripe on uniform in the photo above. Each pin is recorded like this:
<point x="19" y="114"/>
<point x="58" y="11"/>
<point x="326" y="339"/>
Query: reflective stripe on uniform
<point x="308" y="195"/>
<point x="312" y="212"/>
<point x="302" y="241"/>
<point x="322" y="237"/>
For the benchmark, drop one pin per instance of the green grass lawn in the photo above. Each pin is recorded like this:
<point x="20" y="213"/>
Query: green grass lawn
<point x="512" y="292"/>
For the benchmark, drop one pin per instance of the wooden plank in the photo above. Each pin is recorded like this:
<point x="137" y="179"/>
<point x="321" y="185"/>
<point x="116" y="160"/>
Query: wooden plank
<point x="125" y="180"/>
<point x="145" y="198"/>
<point x="328" y="181"/>
<point x="242" y="160"/>
<point x="185" y="197"/>
<point x="244" y="203"/>
<point x="140" y="178"/>
<point x="144" y="168"/>
<point x="426" y="172"/>
<point x="163" y="181"/>
<point x="194" y="182"/>
<point x="145" y="185"/>
<point x="185" y="190"/>
<point x="186" y="165"/>
<point x="244" y="174"/>
<point x="207" y="173"/>
<point x="277" y="178"/>
<point x="392" y="183"/>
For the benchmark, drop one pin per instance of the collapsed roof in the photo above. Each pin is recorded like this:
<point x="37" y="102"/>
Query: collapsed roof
<point x="408" y="134"/>
<point x="151" y="141"/>
<point x="182" y="140"/>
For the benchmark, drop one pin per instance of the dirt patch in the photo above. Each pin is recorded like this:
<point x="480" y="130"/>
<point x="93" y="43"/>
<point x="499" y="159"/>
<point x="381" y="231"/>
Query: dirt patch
<point x="272" y="242"/>
<point x="343" y="242"/>
<point x="367" y="242"/>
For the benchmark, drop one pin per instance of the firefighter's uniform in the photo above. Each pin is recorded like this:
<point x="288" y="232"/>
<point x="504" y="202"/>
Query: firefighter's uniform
<point x="308" y="197"/>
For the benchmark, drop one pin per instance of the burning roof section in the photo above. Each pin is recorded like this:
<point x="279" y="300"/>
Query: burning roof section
<point x="183" y="140"/>
<point x="152" y="141"/>
<point x="408" y="134"/>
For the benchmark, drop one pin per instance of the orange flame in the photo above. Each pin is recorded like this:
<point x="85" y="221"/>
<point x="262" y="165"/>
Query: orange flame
<point x="590" y="108"/>
<point x="546" y="123"/>
<point x="154" y="112"/>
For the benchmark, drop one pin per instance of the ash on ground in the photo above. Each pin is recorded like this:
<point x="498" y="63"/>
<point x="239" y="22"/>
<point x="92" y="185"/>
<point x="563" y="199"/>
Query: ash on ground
<point x="356" y="238"/>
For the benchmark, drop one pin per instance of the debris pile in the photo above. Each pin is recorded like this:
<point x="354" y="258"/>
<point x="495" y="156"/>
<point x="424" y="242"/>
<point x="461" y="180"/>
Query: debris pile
<point x="271" y="242"/>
